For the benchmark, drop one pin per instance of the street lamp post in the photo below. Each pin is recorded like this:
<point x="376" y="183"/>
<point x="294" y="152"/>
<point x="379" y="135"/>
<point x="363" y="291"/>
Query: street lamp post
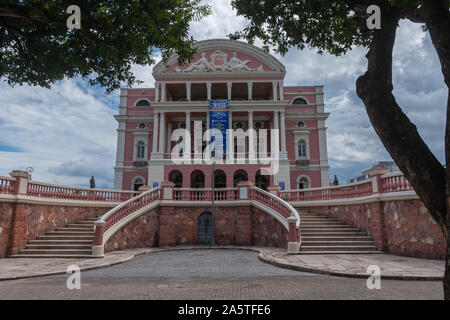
<point x="212" y="201"/>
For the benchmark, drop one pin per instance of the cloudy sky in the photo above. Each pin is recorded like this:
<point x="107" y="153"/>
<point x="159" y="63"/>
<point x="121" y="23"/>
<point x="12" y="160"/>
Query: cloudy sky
<point x="68" y="133"/>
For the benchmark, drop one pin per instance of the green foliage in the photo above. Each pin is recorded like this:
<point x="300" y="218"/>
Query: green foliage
<point x="327" y="25"/>
<point x="37" y="48"/>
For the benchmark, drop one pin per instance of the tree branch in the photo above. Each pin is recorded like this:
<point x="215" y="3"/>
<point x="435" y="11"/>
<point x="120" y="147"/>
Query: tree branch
<point x="397" y="133"/>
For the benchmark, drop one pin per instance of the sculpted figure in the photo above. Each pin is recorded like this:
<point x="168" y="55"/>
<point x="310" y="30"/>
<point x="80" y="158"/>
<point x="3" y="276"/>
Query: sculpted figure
<point x="201" y="64"/>
<point x="237" y="64"/>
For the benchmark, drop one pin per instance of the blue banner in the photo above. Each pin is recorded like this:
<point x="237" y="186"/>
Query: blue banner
<point x="218" y="119"/>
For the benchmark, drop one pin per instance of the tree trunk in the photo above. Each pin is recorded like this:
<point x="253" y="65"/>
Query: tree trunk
<point x="437" y="20"/>
<point x="399" y="136"/>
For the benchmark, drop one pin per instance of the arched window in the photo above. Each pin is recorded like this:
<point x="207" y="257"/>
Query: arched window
<point x="177" y="178"/>
<point x="303" y="183"/>
<point x="143" y="103"/>
<point x="140" y="153"/>
<point x="299" y="101"/>
<point x="137" y="183"/>
<point x="302" y="149"/>
<point x="239" y="175"/>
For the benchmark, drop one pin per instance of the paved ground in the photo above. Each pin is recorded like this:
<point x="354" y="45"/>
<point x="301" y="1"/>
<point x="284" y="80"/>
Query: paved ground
<point x="392" y="267"/>
<point x="210" y="274"/>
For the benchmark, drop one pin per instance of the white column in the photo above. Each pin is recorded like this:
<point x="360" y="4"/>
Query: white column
<point x="169" y="137"/>
<point x="283" y="135"/>
<point x="163" y="92"/>
<point x="208" y="90"/>
<point x="162" y="132"/>
<point x="229" y="86"/>
<point x="250" y="90"/>
<point x="156" y="91"/>
<point x="275" y="86"/>
<point x="275" y="127"/>
<point x="187" y="139"/>
<point x="229" y="135"/>
<point x="251" y="142"/>
<point x="155" y="132"/>
<point x="207" y="128"/>
<point x="188" y="91"/>
<point x="281" y="90"/>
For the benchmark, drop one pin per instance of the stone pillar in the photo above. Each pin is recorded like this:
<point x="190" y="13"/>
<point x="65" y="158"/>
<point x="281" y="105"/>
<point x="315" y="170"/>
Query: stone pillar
<point x="208" y="90"/>
<point x="283" y="135"/>
<point x="281" y="86"/>
<point x="21" y="183"/>
<point x="244" y="190"/>
<point x="376" y="219"/>
<point x="162" y="131"/>
<point x="375" y="174"/>
<point x="97" y="247"/>
<point x="156" y="91"/>
<point x="250" y="90"/>
<point x="273" y="148"/>
<point x="293" y="243"/>
<point x="275" y="89"/>
<point x="167" y="190"/>
<point x="251" y="141"/>
<point x="229" y="86"/>
<point x="188" y="91"/>
<point x="230" y="150"/>
<point x="155" y="133"/>
<point x="187" y="138"/>
<point x="163" y="92"/>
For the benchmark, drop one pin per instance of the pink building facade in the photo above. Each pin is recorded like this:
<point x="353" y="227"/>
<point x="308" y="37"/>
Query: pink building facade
<point x="252" y="81"/>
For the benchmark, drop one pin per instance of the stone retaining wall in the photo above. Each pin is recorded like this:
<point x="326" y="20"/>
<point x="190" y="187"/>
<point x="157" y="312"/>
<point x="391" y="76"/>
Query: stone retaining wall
<point x="21" y="222"/>
<point x="173" y="225"/>
<point x="401" y="227"/>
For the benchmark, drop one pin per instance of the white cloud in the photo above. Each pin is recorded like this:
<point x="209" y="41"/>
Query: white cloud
<point x="68" y="133"/>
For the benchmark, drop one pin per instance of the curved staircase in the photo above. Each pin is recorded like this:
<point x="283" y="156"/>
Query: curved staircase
<point x="72" y="241"/>
<point x="323" y="235"/>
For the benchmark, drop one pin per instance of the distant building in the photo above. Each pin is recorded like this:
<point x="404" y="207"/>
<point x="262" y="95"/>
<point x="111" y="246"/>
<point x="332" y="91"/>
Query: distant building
<point x="390" y="166"/>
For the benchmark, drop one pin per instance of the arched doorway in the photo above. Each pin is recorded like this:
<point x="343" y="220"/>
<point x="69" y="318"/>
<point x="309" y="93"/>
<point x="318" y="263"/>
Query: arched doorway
<point x="239" y="175"/>
<point x="177" y="178"/>
<point x="261" y="181"/>
<point x="137" y="183"/>
<point x="205" y="228"/>
<point x="220" y="179"/>
<point x="303" y="183"/>
<point x="197" y="179"/>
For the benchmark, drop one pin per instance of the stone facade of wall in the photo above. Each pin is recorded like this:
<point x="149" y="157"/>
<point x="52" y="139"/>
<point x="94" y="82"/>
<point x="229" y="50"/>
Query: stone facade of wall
<point x="169" y="226"/>
<point x="401" y="227"/>
<point x="141" y="232"/>
<point x="22" y="222"/>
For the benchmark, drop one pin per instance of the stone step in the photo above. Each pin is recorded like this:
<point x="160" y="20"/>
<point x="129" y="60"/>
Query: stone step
<point x="337" y="248"/>
<point x="56" y="251"/>
<point x="87" y="222"/>
<point x="335" y="238"/>
<point x="59" y="246"/>
<point x="79" y="226"/>
<point x="321" y="223"/>
<point x="62" y="241"/>
<point x="341" y="252"/>
<point x="328" y="229"/>
<point x="66" y="237"/>
<point x="71" y="233"/>
<point x="304" y="219"/>
<point x="308" y="243"/>
<point x="327" y="225"/>
<point x="75" y="229"/>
